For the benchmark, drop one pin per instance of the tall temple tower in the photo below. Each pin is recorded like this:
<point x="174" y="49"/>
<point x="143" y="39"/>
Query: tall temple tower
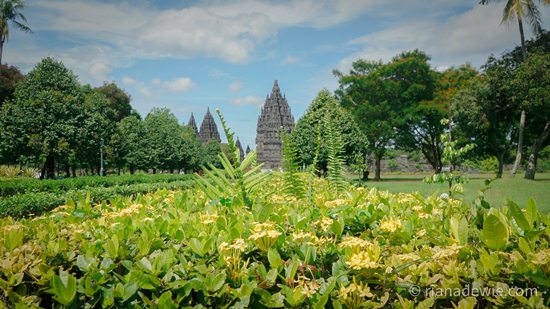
<point x="193" y="124"/>
<point x="275" y="116"/>
<point x="209" y="130"/>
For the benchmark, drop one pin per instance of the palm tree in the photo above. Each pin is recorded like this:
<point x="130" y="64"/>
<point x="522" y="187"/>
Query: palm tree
<point x="521" y="10"/>
<point x="10" y="11"/>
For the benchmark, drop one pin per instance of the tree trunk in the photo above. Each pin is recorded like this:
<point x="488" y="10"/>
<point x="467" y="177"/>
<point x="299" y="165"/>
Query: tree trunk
<point x="522" y="118"/>
<point x="132" y="170"/>
<point x="500" y="159"/>
<point x="2" y="40"/>
<point x="73" y="169"/>
<point x="154" y="171"/>
<point x="532" y="162"/>
<point x="377" y="161"/>
<point x="520" y="144"/>
<point x="48" y="169"/>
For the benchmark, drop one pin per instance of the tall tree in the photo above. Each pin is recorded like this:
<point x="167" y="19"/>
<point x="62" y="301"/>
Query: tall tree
<point x="42" y="121"/>
<point x="531" y="85"/>
<point x="9" y="77"/>
<point x="128" y="146"/>
<point x="119" y="101"/>
<point x="314" y="119"/>
<point x="382" y="96"/>
<point x="10" y="12"/>
<point x="164" y="135"/>
<point x="521" y="10"/>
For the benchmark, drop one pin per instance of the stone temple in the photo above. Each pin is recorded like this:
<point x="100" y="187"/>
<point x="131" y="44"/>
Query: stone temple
<point x="208" y="129"/>
<point x="275" y="116"/>
<point x="192" y="124"/>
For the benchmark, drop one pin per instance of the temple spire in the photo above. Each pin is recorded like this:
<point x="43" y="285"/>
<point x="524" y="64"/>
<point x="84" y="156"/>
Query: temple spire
<point x="240" y="147"/>
<point x="193" y="124"/>
<point x="209" y="129"/>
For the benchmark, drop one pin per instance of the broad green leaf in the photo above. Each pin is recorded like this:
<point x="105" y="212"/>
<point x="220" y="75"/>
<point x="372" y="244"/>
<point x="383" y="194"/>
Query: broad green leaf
<point x="518" y="216"/>
<point x="495" y="232"/>
<point x="459" y="229"/>
<point x="274" y="258"/>
<point x="63" y="287"/>
<point x="165" y="301"/>
<point x="531" y="212"/>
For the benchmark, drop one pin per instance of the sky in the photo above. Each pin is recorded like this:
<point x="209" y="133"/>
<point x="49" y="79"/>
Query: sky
<point x="190" y="55"/>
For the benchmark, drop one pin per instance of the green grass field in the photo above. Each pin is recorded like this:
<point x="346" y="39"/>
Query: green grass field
<point x="516" y="189"/>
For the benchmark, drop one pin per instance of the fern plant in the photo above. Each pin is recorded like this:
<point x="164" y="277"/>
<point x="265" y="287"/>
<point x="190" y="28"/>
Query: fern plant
<point x="293" y="184"/>
<point x="335" y="164"/>
<point x="236" y="182"/>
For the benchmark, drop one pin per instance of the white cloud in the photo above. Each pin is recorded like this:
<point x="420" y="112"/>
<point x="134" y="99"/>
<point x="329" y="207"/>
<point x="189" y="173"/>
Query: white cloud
<point x="248" y="100"/>
<point x="180" y="84"/>
<point x="144" y="91"/>
<point x="128" y="81"/>
<point x="467" y="37"/>
<point x="196" y="31"/>
<point x="291" y="60"/>
<point x="235" y="86"/>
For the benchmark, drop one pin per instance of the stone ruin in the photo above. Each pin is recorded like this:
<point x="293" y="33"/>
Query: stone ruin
<point x="274" y="118"/>
<point x="208" y="129"/>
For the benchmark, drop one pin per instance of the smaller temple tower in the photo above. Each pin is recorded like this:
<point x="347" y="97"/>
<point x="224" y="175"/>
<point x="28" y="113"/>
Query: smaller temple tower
<point x="193" y="124"/>
<point x="240" y="147"/>
<point x="209" y="130"/>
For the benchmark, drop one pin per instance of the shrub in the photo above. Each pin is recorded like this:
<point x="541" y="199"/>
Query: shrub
<point x="363" y="248"/>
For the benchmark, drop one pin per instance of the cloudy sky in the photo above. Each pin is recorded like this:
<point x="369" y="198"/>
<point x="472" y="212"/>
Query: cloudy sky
<point x="188" y="55"/>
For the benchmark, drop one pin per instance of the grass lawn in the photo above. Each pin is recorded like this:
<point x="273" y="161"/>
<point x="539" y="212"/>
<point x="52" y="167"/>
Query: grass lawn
<point x="516" y="189"/>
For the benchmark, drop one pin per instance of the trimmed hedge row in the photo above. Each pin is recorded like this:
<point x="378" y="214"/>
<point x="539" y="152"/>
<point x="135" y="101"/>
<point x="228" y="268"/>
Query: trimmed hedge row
<point x="32" y="204"/>
<point x="18" y="186"/>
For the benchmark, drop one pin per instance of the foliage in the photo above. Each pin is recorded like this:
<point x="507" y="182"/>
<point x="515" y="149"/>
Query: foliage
<point x="422" y="127"/>
<point x="314" y="119"/>
<point x="453" y="155"/>
<point x="9" y="77"/>
<point x="531" y="85"/>
<point x="119" y="101"/>
<point x="164" y="139"/>
<point x="22" y="185"/>
<point x="381" y="96"/>
<point x="335" y="152"/>
<point x="237" y="181"/>
<point x="33" y="204"/>
<point x="42" y="120"/>
<point x="367" y="248"/>
<point x="293" y="182"/>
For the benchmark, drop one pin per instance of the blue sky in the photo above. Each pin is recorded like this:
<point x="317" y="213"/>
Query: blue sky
<point x="190" y="55"/>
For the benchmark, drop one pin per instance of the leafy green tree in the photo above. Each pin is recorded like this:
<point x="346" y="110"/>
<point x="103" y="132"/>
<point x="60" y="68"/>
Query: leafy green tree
<point x="9" y="77"/>
<point x="129" y="145"/>
<point x="484" y="113"/>
<point x="10" y="12"/>
<point x="422" y="127"/>
<point x="382" y="96"/>
<point x="191" y="155"/>
<point x="164" y="136"/>
<point x="209" y="153"/>
<point x="42" y="120"/>
<point x="521" y="10"/>
<point x="119" y="101"/>
<point x="531" y="85"/>
<point x="314" y="120"/>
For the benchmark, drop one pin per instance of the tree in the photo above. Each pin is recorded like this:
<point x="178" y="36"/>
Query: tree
<point x="531" y="86"/>
<point x="164" y="136"/>
<point x="119" y="101"/>
<point x="9" y="77"/>
<point x="10" y="11"/>
<point x="484" y="114"/>
<point x="382" y="96"/>
<point x="128" y="147"/>
<point x="521" y="10"/>
<point x="314" y="119"/>
<point x="41" y="122"/>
